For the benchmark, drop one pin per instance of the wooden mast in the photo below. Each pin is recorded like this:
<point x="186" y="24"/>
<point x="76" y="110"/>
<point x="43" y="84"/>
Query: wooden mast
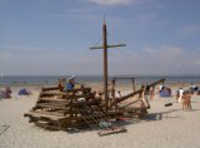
<point x="105" y="46"/>
<point x="105" y="62"/>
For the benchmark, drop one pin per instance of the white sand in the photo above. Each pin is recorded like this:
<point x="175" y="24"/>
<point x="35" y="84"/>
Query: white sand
<point x="177" y="129"/>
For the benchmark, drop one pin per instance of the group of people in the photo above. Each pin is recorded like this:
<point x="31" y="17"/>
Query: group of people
<point x="67" y="84"/>
<point x="149" y="92"/>
<point x="184" y="97"/>
<point x="64" y="85"/>
<point x="6" y="93"/>
<point x="181" y="92"/>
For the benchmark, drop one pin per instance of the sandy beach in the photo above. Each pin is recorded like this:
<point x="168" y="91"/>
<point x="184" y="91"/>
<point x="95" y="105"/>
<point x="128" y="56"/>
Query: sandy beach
<point x="164" y="127"/>
<point x="99" y="74"/>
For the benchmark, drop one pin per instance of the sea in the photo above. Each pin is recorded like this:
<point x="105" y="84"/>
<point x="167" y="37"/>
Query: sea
<point x="50" y="80"/>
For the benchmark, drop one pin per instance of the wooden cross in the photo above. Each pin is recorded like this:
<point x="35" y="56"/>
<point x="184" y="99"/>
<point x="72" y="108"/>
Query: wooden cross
<point x="105" y="46"/>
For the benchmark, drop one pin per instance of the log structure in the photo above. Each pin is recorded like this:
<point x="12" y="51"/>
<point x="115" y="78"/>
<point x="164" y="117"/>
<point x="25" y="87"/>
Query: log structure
<point x="81" y="107"/>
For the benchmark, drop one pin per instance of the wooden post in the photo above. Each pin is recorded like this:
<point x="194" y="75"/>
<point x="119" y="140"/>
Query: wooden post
<point x="105" y="62"/>
<point x="113" y="89"/>
<point x="133" y="83"/>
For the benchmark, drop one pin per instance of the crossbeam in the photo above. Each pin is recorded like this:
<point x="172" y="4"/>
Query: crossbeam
<point x="123" y="78"/>
<point x="108" y="46"/>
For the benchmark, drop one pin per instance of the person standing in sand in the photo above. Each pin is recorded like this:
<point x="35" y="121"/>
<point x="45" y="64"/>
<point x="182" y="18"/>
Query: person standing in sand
<point x="146" y="96"/>
<point x="186" y="101"/>
<point x="161" y="88"/>
<point x="152" y="93"/>
<point x="181" y="91"/>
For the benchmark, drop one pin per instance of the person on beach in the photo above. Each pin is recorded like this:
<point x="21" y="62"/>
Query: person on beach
<point x="61" y="84"/>
<point x="194" y="88"/>
<point x="147" y="91"/>
<point x="70" y="84"/>
<point x="6" y="94"/>
<point x="177" y="95"/>
<point x="165" y="92"/>
<point x="161" y="88"/>
<point x="186" y="101"/>
<point x="152" y="93"/>
<point x="146" y="96"/>
<point x="180" y="92"/>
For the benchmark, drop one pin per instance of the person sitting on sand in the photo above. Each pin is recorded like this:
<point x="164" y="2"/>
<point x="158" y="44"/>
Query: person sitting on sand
<point x="6" y="94"/>
<point x="70" y="84"/>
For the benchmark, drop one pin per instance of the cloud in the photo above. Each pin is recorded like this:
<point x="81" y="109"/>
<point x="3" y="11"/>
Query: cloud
<point x="115" y="2"/>
<point x="35" y="61"/>
<point x="164" y="60"/>
<point x="189" y="30"/>
<point x="193" y="28"/>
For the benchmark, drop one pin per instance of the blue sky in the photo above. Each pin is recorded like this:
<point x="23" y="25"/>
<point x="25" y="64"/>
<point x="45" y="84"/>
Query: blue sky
<point x="40" y="37"/>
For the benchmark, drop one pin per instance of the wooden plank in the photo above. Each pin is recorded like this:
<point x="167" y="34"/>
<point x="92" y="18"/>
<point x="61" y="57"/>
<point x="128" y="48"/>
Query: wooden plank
<point x="43" y="115"/>
<point x="46" y="125"/>
<point x="53" y="106"/>
<point x="50" y="88"/>
<point x="113" y="130"/>
<point x="52" y="94"/>
<point x="52" y="99"/>
<point x="123" y="78"/>
<point x="108" y="46"/>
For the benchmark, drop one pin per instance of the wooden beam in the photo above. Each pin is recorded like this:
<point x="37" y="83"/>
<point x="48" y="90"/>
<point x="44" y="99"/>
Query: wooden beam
<point x="118" y="100"/>
<point x="123" y="78"/>
<point x="108" y="46"/>
<point x="105" y="60"/>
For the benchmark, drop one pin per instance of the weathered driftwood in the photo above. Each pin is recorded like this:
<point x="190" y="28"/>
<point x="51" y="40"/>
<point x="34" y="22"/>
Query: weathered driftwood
<point x="113" y="130"/>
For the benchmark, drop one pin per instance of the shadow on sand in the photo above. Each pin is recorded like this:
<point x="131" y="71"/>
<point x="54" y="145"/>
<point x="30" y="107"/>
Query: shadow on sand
<point x="161" y="115"/>
<point x="124" y="123"/>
